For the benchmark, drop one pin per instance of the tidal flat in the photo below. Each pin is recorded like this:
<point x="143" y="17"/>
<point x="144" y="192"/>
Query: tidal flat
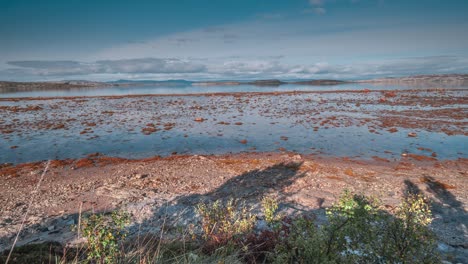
<point x="157" y="156"/>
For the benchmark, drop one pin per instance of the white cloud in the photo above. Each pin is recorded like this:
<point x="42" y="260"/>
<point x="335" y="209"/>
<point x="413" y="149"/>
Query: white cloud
<point x="142" y="65"/>
<point x="241" y="68"/>
<point x="322" y="70"/>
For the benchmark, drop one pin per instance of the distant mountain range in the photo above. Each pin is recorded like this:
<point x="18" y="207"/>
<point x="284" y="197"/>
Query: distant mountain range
<point x="452" y="79"/>
<point x="269" y="82"/>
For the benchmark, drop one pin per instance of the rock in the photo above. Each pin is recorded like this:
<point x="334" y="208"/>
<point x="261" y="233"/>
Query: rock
<point x="261" y="225"/>
<point x="444" y="247"/>
<point x="50" y="228"/>
<point x="142" y="176"/>
<point x="297" y="157"/>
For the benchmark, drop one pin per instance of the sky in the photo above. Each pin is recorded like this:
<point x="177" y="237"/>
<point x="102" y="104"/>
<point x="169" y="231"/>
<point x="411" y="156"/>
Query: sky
<point x="231" y="40"/>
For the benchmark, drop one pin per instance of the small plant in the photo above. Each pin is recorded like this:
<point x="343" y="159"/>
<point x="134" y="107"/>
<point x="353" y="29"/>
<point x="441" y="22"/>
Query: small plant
<point x="353" y="228"/>
<point x="300" y="241"/>
<point x="269" y="208"/>
<point x="221" y="222"/>
<point x="104" y="233"/>
<point x="408" y="237"/>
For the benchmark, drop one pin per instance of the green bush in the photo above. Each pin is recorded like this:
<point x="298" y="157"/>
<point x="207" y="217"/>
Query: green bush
<point x="407" y="237"/>
<point x="269" y="208"/>
<point x="221" y="223"/>
<point x="104" y="234"/>
<point x="358" y="231"/>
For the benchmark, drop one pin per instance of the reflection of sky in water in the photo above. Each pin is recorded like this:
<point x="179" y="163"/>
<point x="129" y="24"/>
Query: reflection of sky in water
<point x="206" y="138"/>
<point x="291" y="115"/>
<point x="135" y="90"/>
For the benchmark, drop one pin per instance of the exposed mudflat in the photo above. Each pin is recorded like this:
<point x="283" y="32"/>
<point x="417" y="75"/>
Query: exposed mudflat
<point x="359" y="123"/>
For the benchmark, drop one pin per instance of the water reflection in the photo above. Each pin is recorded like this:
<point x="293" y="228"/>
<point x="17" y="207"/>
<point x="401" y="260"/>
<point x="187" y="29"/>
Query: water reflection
<point x="188" y="89"/>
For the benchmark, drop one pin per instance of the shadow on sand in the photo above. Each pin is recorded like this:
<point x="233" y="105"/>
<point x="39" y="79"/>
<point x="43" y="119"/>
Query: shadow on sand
<point x="450" y="217"/>
<point x="252" y="186"/>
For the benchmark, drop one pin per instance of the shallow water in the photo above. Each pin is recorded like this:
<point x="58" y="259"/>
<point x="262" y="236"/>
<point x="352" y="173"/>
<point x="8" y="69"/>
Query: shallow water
<point x="328" y="124"/>
<point x="148" y="89"/>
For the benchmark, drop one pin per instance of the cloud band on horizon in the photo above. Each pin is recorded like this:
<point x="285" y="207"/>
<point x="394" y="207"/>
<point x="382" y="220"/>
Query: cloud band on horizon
<point x="168" y="68"/>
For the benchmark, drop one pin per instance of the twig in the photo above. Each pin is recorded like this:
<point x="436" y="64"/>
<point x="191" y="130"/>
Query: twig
<point x="79" y="221"/>
<point x="27" y="211"/>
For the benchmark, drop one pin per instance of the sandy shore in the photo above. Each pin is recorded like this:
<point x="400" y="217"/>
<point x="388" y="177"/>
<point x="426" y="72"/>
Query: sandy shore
<point x="166" y="189"/>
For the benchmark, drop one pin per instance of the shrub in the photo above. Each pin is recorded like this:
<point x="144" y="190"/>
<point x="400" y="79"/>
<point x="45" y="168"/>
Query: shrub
<point x="269" y="208"/>
<point x="104" y="233"/>
<point x="358" y="231"/>
<point x="407" y="237"/>
<point x="220" y="222"/>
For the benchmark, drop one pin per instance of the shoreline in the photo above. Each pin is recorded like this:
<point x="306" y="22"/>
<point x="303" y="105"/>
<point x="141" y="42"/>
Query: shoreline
<point x="358" y="91"/>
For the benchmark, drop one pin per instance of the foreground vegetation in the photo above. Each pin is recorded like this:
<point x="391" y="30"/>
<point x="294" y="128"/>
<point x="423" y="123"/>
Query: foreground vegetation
<point x="357" y="230"/>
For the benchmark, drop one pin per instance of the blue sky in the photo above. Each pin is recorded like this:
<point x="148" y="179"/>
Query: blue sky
<point x="208" y="40"/>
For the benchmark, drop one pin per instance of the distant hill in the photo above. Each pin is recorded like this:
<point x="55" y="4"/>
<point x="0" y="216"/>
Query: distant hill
<point x="320" y="82"/>
<point x="151" y="82"/>
<point x="434" y="79"/>
<point x="9" y="87"/>
<point x="455" y="79"/>
<point x="270" y="82"/>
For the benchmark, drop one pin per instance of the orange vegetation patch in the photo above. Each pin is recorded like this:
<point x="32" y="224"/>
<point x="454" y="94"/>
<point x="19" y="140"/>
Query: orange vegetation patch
<point x="404" y="166"/>
<point x="368" y="177"/>
<point x="59" y="163"/>
<point x="333" y="177"/>
<point x="84" y="163"/>
<point x="349" y="172"/>
<point x="17" y="109"/>
<point x="377" y="158"/>
<point x="14" y="171"/>
<point x="148" y="130"/>
<point x="436" y="184"/>
<point x="390" y="94"/>
<point x="421" y="157"/>
<point x="239" y="161"/>
<point x="309" y="166"/>
<point x="104" y="161"/>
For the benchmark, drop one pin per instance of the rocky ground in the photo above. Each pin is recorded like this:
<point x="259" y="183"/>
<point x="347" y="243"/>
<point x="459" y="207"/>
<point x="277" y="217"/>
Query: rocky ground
<point x="165" y="190"/>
